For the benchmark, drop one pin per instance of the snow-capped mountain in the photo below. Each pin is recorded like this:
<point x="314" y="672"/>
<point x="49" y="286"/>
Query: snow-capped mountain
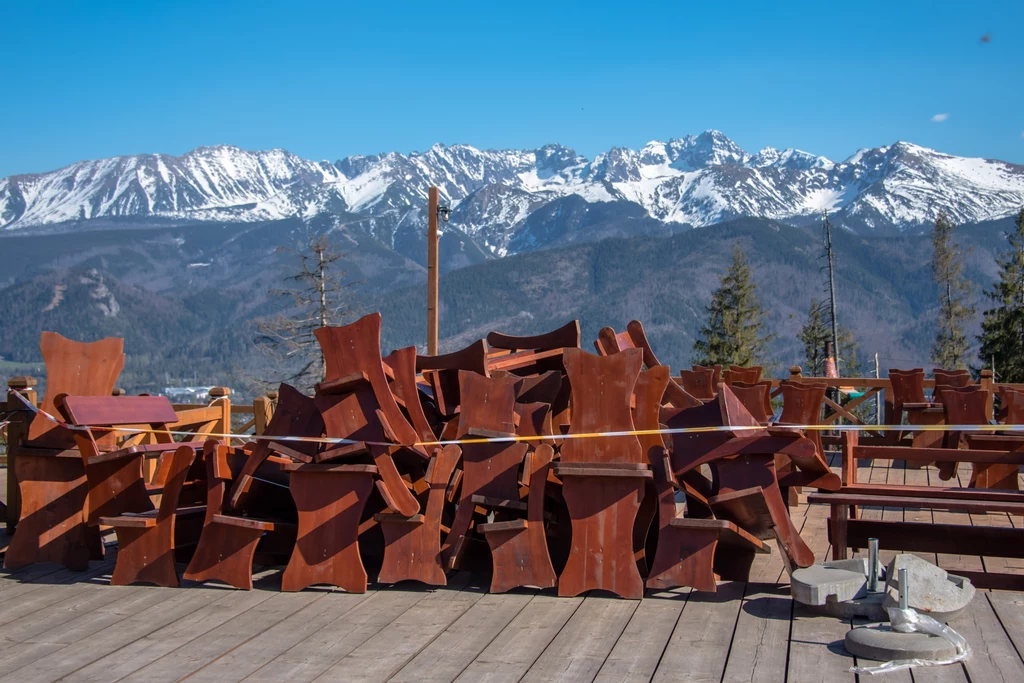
<point x="695" y="181"/>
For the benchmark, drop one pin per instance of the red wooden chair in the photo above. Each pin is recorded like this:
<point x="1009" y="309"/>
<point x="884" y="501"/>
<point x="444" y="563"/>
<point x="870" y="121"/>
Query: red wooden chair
<point x="948" y="379"/>
<point x="738" y="373"/>
<point x="747" y="490"/>
<point x="716" y="378"/>
<point x="1011" y="405"/>
<point x="801" y="405"/>
<point x="690" y="551"/>
<point x="608" y="342"/>
<point x="146" y="542"/>
<point x="49" y="471"/>
<point x="490" y="471"/>
<point x="356" y="403"/>
<point x="756" y="398"/>
<point x="232" y="535"/>
<point x="603" y="478"/>
<point x="908" y="400"/>
<point x="970" y="406"/>
<point x="699" y="383"/>
<point x="442" y="373"/>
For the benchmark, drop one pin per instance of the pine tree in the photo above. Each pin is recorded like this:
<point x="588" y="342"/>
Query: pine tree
<point x="1002" y="328"/>
<point x="735" y="331"/>
<point x="951" y="345"/>
<point x="316" y="300"/>
<point x="815" y="333"/>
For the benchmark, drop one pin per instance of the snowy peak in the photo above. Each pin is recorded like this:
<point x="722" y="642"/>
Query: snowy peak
<point x="695" y="180"/>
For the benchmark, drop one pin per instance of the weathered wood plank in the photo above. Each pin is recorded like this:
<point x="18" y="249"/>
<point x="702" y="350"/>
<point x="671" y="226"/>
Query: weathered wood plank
<point x="520" y="643"/>
<point x="816" y="651"/>
<point x="700" y="642"/>
<point x="387" y="652"/>
<point x="125" y="661"/>
<point x="315" y="654"/>
<point x="82" y="641"/>
<point x="994" y="659"/>
<point x="245" y="619"/>
<point x="455" y="649"/>
<point x="581" y="647"/>
<point x="1009" y="609"/>
<point x="247" y="658"/>
<point x="760" y="642"/>
<point x="636" y="655"/>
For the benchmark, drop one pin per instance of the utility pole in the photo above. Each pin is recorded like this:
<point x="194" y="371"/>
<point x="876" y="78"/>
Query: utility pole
<point x="832" y="289"/>
<point x="432" y="239"/>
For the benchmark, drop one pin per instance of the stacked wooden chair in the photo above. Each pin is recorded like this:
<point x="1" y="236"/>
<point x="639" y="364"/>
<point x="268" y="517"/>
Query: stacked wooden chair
<point x="50" y="472"/>
<point x="608" y="342"/>
<point x="603" y="478"/>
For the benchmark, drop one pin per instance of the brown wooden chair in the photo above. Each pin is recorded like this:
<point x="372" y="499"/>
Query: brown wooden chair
<point x="756" y="398"/>
<point x="608" y="342"/>
<point x="490" y="471"/>
<point x="802" y="403"/>
<point x="746" y="488"/>
<point x="356" y="404"/>
<point x="948" y="379"/>
<point x="146" y="542"/>
<point x="699" y="383"/>
<point x="970" y="406"/>
<point x="442" y="373"/>
<point x="412" y="545"/>
<point x="603" y="478"/>
<point x="908" y="400"/>
<point x="49" y="471"/>
<point x="716" y="378"/>
<point x="232" y="536"/>
<point x="690" y="551"/>
<point x="738" y="373"/>
<point x="1011" y="405"/>
<point x="519" y="549"/>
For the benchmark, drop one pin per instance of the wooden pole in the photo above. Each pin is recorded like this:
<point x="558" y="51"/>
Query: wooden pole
<point x="432" y="240"/>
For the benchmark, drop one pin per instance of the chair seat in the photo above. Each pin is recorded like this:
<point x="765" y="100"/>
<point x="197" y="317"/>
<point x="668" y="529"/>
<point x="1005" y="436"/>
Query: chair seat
<point x="249" y="523"/>
<point x="729" y="534"/>
<point x="510" y="525"/>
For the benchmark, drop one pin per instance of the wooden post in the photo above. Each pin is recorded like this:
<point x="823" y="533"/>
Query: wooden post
<point x="795" y="373"/>
<point x="432" y="240"/>
<point x="987" y="381"/>
<point x="224" y="424"/>
<point x="263" y="411"/>
<point x="17" y="432"/>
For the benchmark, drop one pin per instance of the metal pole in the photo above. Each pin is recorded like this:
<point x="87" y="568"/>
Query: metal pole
<point x="432" y="275"/>
<point x="832" y="291"/>
<point x="904" y="590"/>
<point x="873" y="565"/>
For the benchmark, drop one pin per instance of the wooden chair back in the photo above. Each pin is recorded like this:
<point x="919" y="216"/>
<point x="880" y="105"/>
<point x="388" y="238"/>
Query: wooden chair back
<point x="699" y="383"/>
<point x="602" y="387"/>
<point x="948" y="379"/>
<point x="402" y="366"/>
<point x="566" y="336"/>
<point x="907" y="387"/>
<point x="608" y="342"/>
<point x="73" y="369"/>
<point x="756" y="398"/>
<point x="179" y="463"/>
<point x="716" y="377"/>
<point x="442" y="373"/>
<point x="1011" y="405"/>
<point x="802" y="402"/>
<point x="738" y="373"/>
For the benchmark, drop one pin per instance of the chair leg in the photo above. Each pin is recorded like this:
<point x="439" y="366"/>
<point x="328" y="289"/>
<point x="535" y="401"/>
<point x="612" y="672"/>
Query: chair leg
<point x="412" y="552"/>
<point x="145" y="556"/>
<point x="685" y="557"/>
<point x="225" y="553"/>
<point x="520" y="557"/>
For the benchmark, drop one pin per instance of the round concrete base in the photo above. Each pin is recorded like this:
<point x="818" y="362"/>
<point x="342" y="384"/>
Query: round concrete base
<point x="882" y="644"/>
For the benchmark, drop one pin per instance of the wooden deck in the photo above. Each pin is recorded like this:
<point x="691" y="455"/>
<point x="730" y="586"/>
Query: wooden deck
<point x="59" y="625"/>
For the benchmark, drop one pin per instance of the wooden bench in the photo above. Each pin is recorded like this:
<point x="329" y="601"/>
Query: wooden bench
<point x="848" y="530"/>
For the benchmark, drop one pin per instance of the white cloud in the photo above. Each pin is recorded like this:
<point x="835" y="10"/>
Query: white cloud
<point x="939" y="118"/>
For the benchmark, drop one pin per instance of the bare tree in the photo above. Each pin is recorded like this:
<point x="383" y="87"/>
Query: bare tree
<point x="317" y="294"/>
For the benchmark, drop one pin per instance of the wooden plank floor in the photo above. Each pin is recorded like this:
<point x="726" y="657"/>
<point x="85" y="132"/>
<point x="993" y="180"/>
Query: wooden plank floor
<point x="59" y="625"/>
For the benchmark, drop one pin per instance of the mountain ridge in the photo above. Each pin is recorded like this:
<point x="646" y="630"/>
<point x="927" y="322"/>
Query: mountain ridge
<point x="693" y="181"/>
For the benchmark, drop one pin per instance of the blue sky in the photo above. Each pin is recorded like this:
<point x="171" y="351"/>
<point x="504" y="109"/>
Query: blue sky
<point x="329" y="79"/>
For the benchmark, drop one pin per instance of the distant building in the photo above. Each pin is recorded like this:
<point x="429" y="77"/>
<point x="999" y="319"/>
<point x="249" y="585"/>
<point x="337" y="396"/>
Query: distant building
<point x="187" y="394"/>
